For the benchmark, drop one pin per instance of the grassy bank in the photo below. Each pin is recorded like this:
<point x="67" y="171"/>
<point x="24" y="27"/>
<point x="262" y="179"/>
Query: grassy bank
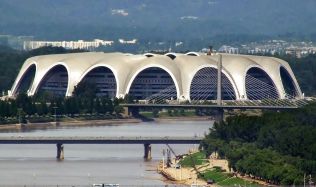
<point x="224" y="179"/>
<point x="194" y="159"/>
<point x="220" y="177"/>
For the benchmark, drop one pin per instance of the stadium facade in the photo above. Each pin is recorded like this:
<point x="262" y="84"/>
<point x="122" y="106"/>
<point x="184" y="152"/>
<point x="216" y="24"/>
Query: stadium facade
<point x="191" y="76"/>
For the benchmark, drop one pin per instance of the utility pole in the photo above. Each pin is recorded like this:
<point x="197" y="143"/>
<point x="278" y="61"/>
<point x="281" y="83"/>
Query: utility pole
<point x="220" y="112"/>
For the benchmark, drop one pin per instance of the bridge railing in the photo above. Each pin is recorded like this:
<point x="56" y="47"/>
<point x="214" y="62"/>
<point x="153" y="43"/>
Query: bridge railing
<point x="264" y="102"/>
<point x="115" y="138"/>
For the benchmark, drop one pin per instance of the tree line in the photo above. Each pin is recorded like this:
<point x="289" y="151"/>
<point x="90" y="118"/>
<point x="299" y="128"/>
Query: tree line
<point x="28" y="107"/>
<point x="83" y="101"/>
<point x="279" y="147"/>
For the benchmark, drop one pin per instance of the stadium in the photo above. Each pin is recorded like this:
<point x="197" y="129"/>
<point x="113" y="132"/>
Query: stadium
<point x="181" y="77"/>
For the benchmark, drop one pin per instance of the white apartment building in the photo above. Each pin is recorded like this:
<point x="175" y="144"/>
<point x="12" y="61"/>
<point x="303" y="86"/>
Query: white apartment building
<point x="122" y="41"/>
<point x="80" y="44"/>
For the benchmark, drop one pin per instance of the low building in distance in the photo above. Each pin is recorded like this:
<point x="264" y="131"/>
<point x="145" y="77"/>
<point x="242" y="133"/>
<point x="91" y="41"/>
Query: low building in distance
<point x="80" y="44"/>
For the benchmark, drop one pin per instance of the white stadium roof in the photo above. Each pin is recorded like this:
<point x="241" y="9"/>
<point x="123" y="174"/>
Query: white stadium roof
<point x="182" y="68"/>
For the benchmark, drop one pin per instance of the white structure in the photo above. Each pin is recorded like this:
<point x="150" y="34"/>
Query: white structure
<point x="80" y="44"/>
<point x="183" y="76"/>
<point x="122" y="41"/>
<point x="228" y="49"/>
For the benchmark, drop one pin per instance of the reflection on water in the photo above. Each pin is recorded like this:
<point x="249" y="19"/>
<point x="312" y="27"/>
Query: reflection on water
<point x="87" y="164"/>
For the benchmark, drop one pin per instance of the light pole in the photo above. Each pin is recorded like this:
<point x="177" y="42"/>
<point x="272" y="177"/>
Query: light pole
<point x="55" y="117"/>
<point x="89" y="179"/>
<point x="34" y="179"/>
<point x="163" y="159"/>
<point x="20" y="117"/>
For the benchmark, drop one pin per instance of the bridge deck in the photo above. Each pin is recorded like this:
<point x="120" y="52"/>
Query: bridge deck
<point x="100" y="140"/>
<point x="209" y="106"/>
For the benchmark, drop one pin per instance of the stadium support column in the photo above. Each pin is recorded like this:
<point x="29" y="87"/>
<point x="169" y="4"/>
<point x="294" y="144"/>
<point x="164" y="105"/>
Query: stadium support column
<point x="147" y="151"/>
<point x="60" y="151"/>
<point x="219" y="112"/>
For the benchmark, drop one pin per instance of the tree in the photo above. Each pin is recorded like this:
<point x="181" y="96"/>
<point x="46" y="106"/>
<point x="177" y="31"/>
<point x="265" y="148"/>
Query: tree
<point x="182" y="113"/>
<point x="42" y="108"/>
<point x="118" y="110"/>
<point x="155" y="113"/>
<point x="278" y="147"/>
<point x="98" y="107"/>
<point x="108" y="105"/>
<point x="86" y="89"/>
<point x="170" y="112"/>
<point x="176" y="112"/>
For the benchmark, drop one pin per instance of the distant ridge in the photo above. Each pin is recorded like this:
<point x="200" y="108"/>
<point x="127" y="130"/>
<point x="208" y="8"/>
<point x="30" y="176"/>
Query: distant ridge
<point x="164" y="19"/>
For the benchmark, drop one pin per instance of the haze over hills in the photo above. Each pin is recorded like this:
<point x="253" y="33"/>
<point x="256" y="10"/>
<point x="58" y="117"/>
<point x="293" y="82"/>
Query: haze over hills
<point x="159" y="20"/>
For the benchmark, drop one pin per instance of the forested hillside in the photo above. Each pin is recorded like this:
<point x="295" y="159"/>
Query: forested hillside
<point x="156" y="20"/>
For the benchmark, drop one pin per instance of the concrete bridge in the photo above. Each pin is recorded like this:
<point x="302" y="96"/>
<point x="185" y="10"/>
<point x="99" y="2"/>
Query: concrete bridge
<point x="60" y="141"/>
<point x="215" y="107"/>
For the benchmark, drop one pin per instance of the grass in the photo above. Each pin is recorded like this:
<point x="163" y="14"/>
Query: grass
<point x="193" y="159"/>
<point x="147" y="114"/>
<point x="215" y="174"/>
<point x="225" y="179"/>
<point x="236" y="181"/>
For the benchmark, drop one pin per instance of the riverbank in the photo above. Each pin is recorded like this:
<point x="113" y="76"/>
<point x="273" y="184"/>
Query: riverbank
<point x="183" y="118"/>
<point x="73" y="122"/>
<point x="194" y="168"/>
<point x="180" y="175"/>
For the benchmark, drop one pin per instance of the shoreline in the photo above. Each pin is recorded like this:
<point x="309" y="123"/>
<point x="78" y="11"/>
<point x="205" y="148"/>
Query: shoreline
<point x="189" y="175"/>
<point x="183" y="118"/>
<point x="87" y="123"/>
<point x="182" y="176"/>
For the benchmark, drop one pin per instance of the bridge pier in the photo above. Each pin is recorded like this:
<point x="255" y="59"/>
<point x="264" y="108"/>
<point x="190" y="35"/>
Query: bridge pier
<point x="60" y="151"/>
<point x="147" y="151"/>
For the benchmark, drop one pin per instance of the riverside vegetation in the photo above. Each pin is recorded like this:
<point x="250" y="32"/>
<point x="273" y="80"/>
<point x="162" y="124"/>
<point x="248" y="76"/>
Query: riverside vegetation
<point x="277" y="147"/>
<point x="37" y="109"/>
<point x="208" y="172"/>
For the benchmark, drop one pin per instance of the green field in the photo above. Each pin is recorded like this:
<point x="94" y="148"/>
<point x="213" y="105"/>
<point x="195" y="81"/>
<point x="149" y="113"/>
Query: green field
<point x="194" y="159"/>
<point x="215" y="174"/>
<point x="224" y="179"/>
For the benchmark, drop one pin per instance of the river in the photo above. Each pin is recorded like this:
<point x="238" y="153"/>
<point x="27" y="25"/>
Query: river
<point x="88" y="164"/>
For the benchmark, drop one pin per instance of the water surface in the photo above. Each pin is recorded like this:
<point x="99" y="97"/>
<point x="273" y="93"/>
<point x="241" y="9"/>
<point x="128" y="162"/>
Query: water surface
<point x="88" y="164"/>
